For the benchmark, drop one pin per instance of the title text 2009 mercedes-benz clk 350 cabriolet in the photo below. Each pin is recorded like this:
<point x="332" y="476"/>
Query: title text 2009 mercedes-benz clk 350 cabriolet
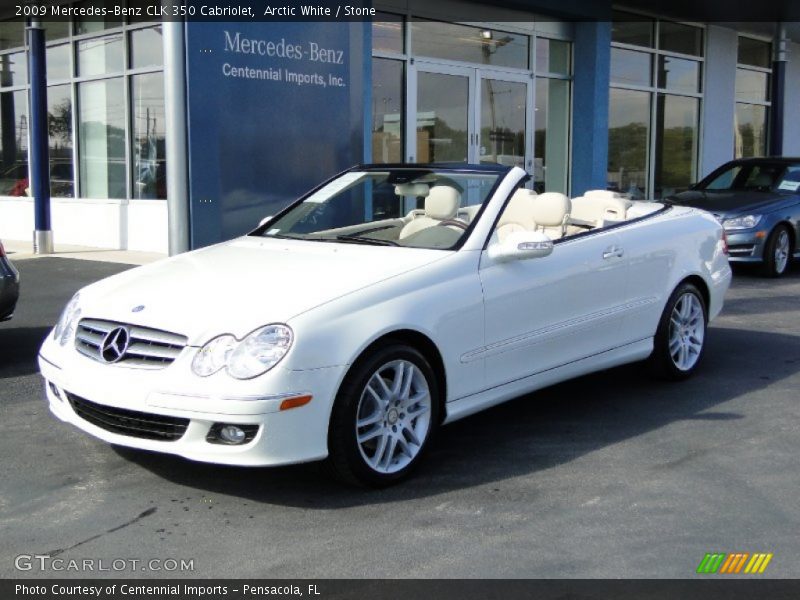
<point x="388" y="301"/>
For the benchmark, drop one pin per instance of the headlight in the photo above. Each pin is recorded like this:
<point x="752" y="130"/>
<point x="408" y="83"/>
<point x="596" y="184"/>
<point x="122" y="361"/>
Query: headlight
<point x="745" y="222"/>
<point x="66" y="323"/>
<point x="254" y="355"/>
<point x="213" y="356"/>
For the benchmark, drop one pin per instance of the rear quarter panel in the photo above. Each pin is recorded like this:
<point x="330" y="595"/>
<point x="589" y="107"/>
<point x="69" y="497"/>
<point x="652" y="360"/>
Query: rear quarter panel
<point x="664" y="250"/>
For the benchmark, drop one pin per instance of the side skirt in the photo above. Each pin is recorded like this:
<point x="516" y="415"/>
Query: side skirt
<point x="469" y="405"/>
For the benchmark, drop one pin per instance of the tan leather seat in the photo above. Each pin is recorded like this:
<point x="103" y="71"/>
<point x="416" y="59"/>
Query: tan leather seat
<point x="441" y="204"/>
<point x="551" y="211"/>
<point x="598" y="207"/>
<point x="518" y="214"/>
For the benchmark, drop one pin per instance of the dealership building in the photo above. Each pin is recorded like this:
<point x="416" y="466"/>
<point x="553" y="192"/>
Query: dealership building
<point x="165" y="135"/>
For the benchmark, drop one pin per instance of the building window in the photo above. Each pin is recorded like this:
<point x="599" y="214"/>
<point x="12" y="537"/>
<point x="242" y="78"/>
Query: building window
<point x="105" y="82"/>
<point x="13" y="111"/>
<point x="654" y="106"/>
<point x="469" y="93"/>
<point x="751" y="118"/>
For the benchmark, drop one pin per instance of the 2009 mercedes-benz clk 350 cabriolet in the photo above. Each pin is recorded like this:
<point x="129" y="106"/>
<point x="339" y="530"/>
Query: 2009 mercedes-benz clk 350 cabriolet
<point x="388" y="301"/>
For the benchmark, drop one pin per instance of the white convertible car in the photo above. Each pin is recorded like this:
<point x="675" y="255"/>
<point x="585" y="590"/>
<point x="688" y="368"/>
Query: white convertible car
<point x="388" y="301"/>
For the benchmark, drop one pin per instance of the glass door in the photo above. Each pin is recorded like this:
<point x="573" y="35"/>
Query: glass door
<point x="441" y="107"/>
<point x="469" y="114"/>
<point x="503" y="114"/>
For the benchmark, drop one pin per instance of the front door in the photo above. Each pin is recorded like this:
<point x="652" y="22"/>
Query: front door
<point x="542" y="313"/>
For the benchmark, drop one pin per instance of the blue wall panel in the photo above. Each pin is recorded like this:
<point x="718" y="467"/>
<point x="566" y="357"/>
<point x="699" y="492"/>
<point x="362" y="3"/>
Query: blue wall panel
<point x="590" y="106"/>
<point x="274" y="108"/>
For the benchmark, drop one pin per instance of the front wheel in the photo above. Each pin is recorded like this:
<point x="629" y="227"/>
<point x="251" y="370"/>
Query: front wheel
<point x="384" y="417"/>
<point x="680" y="337"/>
<point x="777" y="252"/>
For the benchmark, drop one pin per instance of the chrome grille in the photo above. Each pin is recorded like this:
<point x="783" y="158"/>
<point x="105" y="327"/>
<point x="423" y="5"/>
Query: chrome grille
<point x="147" y="348"/>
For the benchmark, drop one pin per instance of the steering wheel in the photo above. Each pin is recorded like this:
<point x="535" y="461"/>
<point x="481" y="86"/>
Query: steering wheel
<point x="454" y="223"/>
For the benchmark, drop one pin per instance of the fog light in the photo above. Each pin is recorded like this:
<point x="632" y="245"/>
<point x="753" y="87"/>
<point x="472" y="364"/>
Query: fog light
<point x="230" y="434"/>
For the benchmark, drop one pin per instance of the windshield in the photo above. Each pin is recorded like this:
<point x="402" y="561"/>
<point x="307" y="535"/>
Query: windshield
<point x="757" y="177"/>
<point x="419" y="208"/>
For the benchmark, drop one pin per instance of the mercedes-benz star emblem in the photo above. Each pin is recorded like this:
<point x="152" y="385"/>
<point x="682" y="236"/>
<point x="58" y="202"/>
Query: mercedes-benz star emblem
<point x="115" y="344"/>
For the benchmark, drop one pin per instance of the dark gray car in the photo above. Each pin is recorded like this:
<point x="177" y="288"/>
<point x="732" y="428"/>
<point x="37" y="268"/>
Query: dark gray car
<point x="9" y="286"/>
<point x="758" y="202"/>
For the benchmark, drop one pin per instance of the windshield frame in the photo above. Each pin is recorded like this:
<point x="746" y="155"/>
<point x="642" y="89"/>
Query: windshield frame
<point x="463" y="168"/>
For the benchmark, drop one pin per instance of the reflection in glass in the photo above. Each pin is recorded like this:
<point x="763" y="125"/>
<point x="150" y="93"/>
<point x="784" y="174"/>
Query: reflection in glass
<point x="628" y="135"/>
<point x="676" y="143"/>
<point x="56" y="30"/>
<point x="750" y="130"/>
<point x="95" y="24"/>
<point x="632" y="29"/>
<point x="676" y="37"/>
<point x="387" y="110"/>
<point x="14" y="143"/>
<point x="147" y="48"/>
<point x="387" y="33"/>
<point x="442" y="117"/>
<point x="551" y="135"/>
<point x="12" y="34"/>
<point x="469" y="44"/>
<point x="755" y="53"/>
<point x="552" y="56"/>
<point x="678" y="74"/>
<point x="101" y="55"/>
<point x="59" y="62"/>
<point x="503" y="122"/>
<point x="13" y="69"/>
<point x="59" y="128"/>
<point x="752" y="85"/>
<point x="630" y="67"/>
<point x="148" y="136"/>
<point x="101" y="127"/>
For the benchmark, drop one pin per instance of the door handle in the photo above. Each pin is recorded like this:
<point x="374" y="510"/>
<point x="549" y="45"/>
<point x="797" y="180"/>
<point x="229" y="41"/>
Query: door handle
<point x="613" y="252"/>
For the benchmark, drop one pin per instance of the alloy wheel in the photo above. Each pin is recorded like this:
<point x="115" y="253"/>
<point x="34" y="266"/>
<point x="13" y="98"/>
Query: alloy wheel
<point x="393" y="418"/>
<point x="782" y="249"/>
<point x="686" y="331"/>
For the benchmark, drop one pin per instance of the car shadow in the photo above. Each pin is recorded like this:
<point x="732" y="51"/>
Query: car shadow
<point x="534" y="432"/>
<point x="19" y="347"/>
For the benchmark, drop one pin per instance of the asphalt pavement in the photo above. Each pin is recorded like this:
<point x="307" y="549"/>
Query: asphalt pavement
<point x="613" y="475"/>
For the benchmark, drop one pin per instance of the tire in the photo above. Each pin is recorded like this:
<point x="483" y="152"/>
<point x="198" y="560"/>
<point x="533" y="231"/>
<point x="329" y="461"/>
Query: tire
<point x="381" y="426"/>
<point x="777" y="252"/>
<point x="680" y="338"/>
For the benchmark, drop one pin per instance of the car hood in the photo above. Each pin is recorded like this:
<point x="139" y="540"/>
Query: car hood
<point x="240" y="285"/>
<point x="727" y="203"/>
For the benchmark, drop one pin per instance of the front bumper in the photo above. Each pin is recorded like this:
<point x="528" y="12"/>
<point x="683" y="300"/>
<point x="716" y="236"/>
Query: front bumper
<point x="746" y="246"/>
<point x="283" y="437"/>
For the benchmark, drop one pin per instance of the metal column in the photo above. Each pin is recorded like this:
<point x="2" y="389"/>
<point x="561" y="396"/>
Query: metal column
<point x="39" y="142"/>
<point x="177" y="140"/>
<point x="778" y="91"/>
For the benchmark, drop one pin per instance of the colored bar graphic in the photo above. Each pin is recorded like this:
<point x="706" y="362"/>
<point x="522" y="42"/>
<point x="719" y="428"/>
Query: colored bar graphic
<point x="711" y="563"/>
<point x="730" y="564"/>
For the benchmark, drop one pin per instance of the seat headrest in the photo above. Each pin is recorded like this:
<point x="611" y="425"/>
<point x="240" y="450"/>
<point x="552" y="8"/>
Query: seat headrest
<point x="442" y="202"/>
<point x="550" y="209"/>
<point x="411" y="189"/>
<point x="602" y="194"/>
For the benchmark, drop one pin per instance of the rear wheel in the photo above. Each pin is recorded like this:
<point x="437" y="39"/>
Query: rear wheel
<point x="777" y="252"/>
<point x="384" y="417"/>
<point x="680" y="338"/>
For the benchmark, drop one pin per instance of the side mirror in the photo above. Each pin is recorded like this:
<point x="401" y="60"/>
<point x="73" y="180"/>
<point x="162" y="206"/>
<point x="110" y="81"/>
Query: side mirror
<point x="264" y="220"/>
<point x="521" y="245"/>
